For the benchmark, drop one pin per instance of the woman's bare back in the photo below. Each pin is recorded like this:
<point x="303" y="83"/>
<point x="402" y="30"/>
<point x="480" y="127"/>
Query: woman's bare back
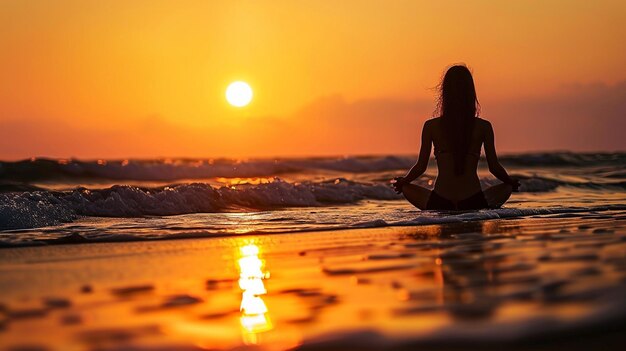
<point x="453" y="187"/>
<point x="449" y="184"/>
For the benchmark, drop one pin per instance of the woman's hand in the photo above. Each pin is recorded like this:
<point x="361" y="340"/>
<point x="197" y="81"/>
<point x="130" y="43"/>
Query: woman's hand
<point x="397" y="183"/>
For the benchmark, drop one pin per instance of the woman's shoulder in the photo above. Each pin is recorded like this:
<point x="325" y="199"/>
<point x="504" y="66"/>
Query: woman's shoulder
<point x="432" y="123"/>
<point x="483" y="122"/>
<point x="433" y="120"/>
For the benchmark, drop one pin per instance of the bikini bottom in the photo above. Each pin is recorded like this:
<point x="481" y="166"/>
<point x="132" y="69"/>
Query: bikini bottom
<point x="474" y="202"/>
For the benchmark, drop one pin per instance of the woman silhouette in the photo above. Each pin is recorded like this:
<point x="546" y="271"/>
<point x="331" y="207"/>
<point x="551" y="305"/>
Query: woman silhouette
<point x="458" y="135"/>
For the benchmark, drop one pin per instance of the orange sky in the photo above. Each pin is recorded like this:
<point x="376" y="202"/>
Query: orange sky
<point x="147" y="78"/>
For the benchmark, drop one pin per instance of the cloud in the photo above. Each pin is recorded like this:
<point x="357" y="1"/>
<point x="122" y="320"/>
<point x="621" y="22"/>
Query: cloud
<point x="577" y="118"/>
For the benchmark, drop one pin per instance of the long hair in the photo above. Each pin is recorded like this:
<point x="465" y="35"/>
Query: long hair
<point x="458" y="107"/>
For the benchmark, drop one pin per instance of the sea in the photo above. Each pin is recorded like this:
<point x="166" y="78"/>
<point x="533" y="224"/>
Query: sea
<point x="65" y="201"/>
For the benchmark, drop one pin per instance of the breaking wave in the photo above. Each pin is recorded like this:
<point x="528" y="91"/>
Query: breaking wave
<point x="30" y="209"/>
<point x="42" y="208"/>
<point x="174" y="169"/>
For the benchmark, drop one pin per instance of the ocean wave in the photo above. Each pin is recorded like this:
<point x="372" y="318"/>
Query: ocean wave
<point x="32" y="209"/>
<point x="214" y="227"/>
<point x="43" y="208"/>
<point x="540" y="184"/>
<point x="502" y="213"/>
<point x="565" y="159"/>
<point x="173" y="169"/>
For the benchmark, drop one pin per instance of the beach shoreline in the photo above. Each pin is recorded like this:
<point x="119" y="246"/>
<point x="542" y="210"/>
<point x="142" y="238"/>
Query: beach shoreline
<point x="478" y="284"/>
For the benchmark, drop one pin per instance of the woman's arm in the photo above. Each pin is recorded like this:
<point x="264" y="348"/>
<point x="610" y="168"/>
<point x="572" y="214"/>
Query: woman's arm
<point x="492" y="159"/>
<point x="422" y="161"/>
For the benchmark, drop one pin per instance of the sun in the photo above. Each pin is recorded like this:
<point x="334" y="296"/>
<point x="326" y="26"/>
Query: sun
<point x="239" y="94"/>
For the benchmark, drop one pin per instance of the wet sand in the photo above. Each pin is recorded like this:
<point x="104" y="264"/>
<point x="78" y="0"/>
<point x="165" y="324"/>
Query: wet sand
<point x="545" y="282"/>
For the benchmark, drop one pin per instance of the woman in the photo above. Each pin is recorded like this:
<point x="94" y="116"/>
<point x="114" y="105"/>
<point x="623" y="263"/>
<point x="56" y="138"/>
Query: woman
<point x="458" y="135"/>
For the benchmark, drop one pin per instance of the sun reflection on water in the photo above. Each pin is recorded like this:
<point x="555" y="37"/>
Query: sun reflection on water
<point x="254" y="314"/>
